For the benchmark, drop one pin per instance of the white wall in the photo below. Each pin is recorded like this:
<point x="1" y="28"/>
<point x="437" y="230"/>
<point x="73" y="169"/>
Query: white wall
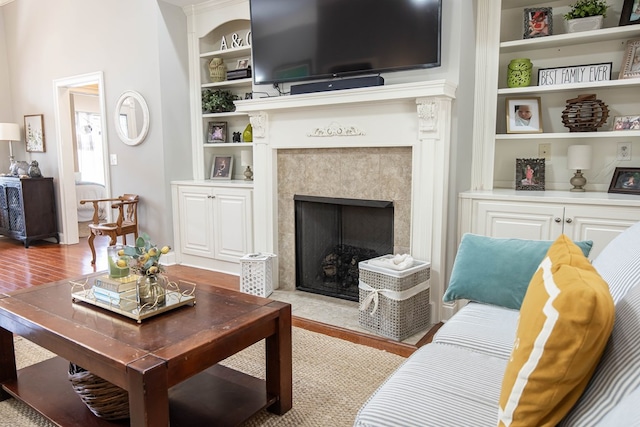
<point x="130" y="42"/>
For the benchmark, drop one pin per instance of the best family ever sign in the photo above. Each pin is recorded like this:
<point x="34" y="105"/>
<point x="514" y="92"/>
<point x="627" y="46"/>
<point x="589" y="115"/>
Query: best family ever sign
<point x="574" y="74"/>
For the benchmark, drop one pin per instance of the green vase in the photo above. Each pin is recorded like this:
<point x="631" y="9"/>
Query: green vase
<point x="247" y="135"/>
<point x="519" y="73"/>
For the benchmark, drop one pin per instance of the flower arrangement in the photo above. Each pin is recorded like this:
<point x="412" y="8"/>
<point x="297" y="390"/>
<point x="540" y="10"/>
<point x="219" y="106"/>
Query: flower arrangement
<point x="585" y="8"/>
<point x="145" y="256"/>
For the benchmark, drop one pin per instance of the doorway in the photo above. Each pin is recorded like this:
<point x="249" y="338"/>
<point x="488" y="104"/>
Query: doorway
<point x="67" y="93"/>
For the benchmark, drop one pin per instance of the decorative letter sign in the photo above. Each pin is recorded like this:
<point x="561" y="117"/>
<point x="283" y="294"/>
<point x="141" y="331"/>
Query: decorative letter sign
<point x="575" y="74"/>
<point x="236" y="41"/>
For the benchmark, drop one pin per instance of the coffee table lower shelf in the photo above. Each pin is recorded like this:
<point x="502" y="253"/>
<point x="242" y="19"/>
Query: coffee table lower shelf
<point x="217" y="396"/>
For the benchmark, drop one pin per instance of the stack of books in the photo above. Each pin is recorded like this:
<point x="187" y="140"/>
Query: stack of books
<point x="119" y="292"/>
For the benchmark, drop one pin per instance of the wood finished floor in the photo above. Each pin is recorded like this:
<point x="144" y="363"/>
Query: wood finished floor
<point x="45" y="262"/>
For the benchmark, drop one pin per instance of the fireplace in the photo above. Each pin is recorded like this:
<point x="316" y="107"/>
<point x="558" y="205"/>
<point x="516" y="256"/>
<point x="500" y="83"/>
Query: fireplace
<point x="332" y="236"/>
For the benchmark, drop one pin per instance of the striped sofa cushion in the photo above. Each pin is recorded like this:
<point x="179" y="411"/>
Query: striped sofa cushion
<point x="626" y="413"/>
<point x="484" y="328"/>
<point x="618" y="373"/>
<point x="619" y="262"/>
<point x="439" y="385"/>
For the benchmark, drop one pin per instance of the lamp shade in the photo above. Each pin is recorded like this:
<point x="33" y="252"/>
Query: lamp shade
<point x="245" y="158"/>
<point x="579" y="157"/>
<point x="9" y="132"/>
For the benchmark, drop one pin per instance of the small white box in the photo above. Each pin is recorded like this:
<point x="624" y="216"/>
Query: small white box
<point x="256" y="274"/>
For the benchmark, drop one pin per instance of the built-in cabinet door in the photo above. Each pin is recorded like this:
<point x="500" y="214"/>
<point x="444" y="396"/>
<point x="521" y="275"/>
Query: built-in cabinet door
<point x="598" y="223"/>
<point x="517" y="220"/>
<point x="196" y="220"/>
<point x="233" y="231"/>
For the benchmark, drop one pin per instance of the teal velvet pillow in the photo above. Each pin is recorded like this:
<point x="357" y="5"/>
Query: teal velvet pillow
<point x="497" y="271"/>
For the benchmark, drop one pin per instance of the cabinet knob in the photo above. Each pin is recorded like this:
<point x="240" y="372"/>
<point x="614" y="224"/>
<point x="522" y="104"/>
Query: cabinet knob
<point x="211" y="197"/>
<point x="568" y="220"/>
<point x="558" y="220"/>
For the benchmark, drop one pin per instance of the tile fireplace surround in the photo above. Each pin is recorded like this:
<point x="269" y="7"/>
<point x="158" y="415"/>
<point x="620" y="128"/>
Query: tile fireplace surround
<point x="337" y="144"/>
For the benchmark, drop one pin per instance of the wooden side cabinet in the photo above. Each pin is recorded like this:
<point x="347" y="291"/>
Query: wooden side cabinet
<point x="28" y="209"/>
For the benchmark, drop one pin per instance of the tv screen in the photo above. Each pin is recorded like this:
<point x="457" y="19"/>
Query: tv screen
<point x="297" y="40"/>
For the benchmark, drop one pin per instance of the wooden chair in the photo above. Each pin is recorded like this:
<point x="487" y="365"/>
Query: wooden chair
<point x="127" y="222"/>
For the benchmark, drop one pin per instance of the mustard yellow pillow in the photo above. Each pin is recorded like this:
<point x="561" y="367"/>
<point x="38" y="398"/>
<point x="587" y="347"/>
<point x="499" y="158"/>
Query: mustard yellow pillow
<point x="565" y="320"/>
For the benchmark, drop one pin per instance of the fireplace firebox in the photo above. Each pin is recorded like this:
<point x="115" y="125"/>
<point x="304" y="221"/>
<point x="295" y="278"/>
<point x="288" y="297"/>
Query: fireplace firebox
<point x="332" y="236"/>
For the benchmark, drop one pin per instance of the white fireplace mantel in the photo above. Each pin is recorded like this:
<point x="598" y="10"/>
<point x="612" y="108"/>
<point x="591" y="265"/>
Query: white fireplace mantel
<point x="416" y="115"/>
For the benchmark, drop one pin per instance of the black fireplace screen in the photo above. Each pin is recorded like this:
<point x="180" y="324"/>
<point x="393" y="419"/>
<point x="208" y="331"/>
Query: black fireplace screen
<point x="333" y="235"/>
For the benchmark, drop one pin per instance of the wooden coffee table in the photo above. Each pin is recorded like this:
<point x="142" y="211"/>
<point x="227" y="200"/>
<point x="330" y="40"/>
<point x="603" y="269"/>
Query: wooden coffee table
<point x="168" y="363"/>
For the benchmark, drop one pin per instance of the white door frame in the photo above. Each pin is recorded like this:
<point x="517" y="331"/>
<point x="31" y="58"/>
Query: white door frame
<point x="62" y="93"/>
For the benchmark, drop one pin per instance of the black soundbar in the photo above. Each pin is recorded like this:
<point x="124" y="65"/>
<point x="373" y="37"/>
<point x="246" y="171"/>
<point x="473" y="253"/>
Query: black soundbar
<point x="337" y="84"/>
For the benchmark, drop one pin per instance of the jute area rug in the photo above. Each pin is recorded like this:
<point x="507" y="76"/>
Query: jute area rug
<point x="332" y="378"/>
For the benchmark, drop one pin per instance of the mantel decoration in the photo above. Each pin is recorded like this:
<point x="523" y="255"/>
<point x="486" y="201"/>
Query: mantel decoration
<point x="218" y="101"/>
<point x="144" y="260"/>
<point x="585" y="15"/>
<point x="585" y="113"/>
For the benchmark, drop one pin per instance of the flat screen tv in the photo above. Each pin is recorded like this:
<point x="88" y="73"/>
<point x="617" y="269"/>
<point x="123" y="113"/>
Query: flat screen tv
<point x="299" y="40"/>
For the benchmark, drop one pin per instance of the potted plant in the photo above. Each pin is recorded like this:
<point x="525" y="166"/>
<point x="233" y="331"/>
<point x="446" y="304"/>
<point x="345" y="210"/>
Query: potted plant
<point x="586" y="15"/>
<point x="218" y="101"/>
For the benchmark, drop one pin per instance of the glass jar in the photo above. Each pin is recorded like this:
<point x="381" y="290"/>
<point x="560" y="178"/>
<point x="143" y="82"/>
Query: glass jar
<point x="118" y="264"/>
<point x="151" y="290"/>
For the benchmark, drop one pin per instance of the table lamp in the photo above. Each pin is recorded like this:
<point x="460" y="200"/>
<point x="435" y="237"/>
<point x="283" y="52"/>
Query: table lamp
<point x="10" y="132"/>
<point x="578" y="158"/>
<point x="245" y="160"/>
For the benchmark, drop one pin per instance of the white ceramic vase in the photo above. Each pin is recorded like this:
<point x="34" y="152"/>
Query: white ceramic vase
<point x="584" y="24"/>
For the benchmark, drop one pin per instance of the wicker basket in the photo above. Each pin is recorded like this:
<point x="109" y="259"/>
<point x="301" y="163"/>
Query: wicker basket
<point x="104" y="399"/>
<point x="396" y="318"/>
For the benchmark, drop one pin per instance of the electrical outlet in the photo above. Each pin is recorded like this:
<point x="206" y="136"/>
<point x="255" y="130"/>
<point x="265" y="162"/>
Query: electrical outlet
<point x="544" y="151"/>
<point x="113" y="159"/>
<point x="624" y="151"/>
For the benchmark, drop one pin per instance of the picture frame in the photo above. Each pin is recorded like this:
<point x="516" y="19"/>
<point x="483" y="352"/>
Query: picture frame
<point x="630" y="68"/>
<point x="524" y="114"/>
<point x="530" y="174"/>
<point x="626" y="122"/>
<point x="630" y="12"/>
<point x="242" y="64"/>
<point x="217" y="132"/>
<point x="222" y="167"/>
<point x="625" y="180"/>
<point x="587" y="73"/>
<point x="538" y="22"/>
<point x="34" y="133"/>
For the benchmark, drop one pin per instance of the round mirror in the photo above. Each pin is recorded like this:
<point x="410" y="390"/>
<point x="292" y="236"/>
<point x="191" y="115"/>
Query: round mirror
<point x="132" y="118"/>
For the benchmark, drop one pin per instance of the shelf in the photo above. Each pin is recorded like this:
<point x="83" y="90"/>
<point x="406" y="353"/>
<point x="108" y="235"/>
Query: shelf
<point x="229" y="83"/>
<point x="570" y="39"/>
<point x="609" y="84"/>
<point x="229" y="114"/>
<point x="229" y="144"/>
<point x="228" y="53"/>
<point x="569" y="135"/>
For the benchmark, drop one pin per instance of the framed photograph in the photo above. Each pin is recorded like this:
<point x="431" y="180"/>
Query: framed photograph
<point x="242" y="63"/>
<point x="524" y="115"/>
<point x="34" y="133"/>
<point x="222" y="167"/>
<point x="575" y="74"/>
<point x="630" y="12"/>
<point x="538" y="22"/>
<point x="626" y="122"/>
<point x="217" y="132"/>
<point x="530" y="174"/>
<point x="625" y="180"/>
<point x="630" y="68"/>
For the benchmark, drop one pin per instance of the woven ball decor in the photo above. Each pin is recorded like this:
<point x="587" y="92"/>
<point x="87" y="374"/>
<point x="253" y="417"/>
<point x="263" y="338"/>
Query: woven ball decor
<point x="585" y="113"/>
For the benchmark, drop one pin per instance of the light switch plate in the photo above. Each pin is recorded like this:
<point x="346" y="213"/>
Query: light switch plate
<point x="544" y="151"/>
<point x="624" y="151"/>
<point x="113" y="159"/>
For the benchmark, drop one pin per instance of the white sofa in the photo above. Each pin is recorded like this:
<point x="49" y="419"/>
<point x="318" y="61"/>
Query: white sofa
<point x="456" y="380"/>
